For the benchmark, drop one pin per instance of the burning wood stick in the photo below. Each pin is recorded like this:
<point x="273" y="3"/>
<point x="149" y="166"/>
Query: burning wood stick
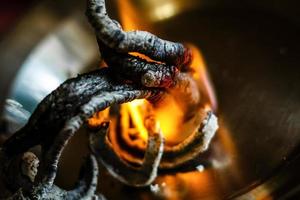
<point x="185" y="153"/>
<point x="153" y="74"/>
<point x="58" y="117"/>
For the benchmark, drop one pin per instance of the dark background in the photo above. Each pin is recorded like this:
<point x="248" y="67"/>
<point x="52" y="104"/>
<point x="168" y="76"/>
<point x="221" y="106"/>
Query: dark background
<point x="11" y="11"/>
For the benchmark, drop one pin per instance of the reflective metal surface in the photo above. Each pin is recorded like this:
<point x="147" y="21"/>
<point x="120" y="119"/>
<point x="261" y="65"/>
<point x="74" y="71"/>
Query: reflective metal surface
<point x="60" y="55"/>
<point x="252" y="53"/>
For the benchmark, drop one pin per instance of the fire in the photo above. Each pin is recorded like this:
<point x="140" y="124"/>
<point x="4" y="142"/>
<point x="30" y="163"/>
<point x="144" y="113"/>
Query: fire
<point x="130" y="123"/>
<point x="136" y="110"/>
<point x="169" y="114"/>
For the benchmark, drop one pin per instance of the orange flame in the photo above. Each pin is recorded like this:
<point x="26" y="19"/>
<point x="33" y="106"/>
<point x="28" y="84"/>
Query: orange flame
<point x="136" y="111"/>
<point x="170" y="118"/>
<point x="169" y="114"/>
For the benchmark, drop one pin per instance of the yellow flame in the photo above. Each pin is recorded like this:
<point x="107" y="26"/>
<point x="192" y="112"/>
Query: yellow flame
<point x="137" y="116"/>
<point x="169" y="114"/>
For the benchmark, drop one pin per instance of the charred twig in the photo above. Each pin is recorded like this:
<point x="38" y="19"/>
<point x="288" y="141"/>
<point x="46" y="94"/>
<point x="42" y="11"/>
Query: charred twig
<point x="110" y="32"/>
<point x="188" y="151"/>
<point x="96" y="104"/>
<point x="115" y="44"/>
<point x="153" y="74"/>
<point x="62" y="113"/>
<point x="64" y="103"/>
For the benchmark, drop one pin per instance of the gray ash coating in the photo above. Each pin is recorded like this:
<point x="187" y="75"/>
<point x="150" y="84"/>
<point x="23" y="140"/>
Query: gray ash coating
<point x="60" y="114"/>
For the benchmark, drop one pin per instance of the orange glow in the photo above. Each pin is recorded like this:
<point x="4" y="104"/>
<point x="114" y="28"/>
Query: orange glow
<point x="171" y="119"/>
<point x="173" y="112"/>
<point x="130" y="17"/>
<point x="190" y="185"/>
<point x="98" y="118"/>
<point x="202" y="77"/>
<point x="168" y="113"/>
<point x="135" y="110"/>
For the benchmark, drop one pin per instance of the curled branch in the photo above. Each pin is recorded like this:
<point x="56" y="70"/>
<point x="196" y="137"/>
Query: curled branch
<point x="59" y="115"/>
<point x="111" y="34"/>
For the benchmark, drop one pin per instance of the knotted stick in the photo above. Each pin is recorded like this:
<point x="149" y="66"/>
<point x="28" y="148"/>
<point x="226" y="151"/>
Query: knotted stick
<point x="62" y="113"/>
<point x="153" y="74"/>
<point x="96" y="104"/>
<point x="111" y="34"/>
<point x="115" y="49"/>
<point x="67" y="108"/>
